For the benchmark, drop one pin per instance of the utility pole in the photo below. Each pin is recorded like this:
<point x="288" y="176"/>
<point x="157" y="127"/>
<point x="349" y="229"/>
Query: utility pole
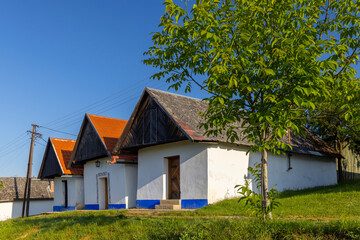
<point x="28" y="174"/>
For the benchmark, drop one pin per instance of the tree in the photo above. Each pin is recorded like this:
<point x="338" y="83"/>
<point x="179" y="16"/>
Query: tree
<point x="1" y="185"/>
<point x="341" y="126"/>
<point x="264" y="63"/>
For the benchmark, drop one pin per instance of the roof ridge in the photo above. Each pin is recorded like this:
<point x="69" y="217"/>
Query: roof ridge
<point x="63" y="139"/>
<point x="90" y="115"/>
<point x="176" y="94"/>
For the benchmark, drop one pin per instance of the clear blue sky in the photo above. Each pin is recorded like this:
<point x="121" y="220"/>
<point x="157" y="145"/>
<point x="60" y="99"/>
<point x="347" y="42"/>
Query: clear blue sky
<point x="60" y="57"/>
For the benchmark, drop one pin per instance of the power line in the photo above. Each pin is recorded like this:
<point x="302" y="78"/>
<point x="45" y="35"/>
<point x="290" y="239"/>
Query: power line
<point x="57" y="131"/>
<point x="17" y="151"/>
<point x="36" y="142"/>
<point x="68" y="122"/>
<point x="97" y="103"/>
<point x="43" y="140"/>
<point x="14" y="141"/>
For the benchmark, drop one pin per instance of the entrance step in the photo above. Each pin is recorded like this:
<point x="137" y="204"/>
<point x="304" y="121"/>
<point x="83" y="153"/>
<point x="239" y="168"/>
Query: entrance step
<point x="173" y="204"/>
<point x="170" y="201"/>
<point x="168" y="206"/>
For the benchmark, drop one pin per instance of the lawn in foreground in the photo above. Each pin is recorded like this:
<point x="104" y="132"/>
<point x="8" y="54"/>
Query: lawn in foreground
<point x="116" y="225"/>
<point x="325" y="213"/>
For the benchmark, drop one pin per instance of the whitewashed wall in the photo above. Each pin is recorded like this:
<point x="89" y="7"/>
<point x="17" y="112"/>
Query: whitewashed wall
<point x="120" y="181"/>
<point x="13" y="209"/>
<point x="153" y="179"/>
<point x="227" y="166"/>
<point x="307" y="171"/>
<point x="75" y="193"/>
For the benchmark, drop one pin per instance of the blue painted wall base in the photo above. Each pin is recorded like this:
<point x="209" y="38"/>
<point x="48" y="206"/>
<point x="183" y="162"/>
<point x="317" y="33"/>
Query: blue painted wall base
<point x="193" y="203"/>
<point x="62" y="208"/>
<point x="117" y="206"/>
<point x="185" y="203"/>
<point x="147" y="203"/>
<point x="92" y="207"/>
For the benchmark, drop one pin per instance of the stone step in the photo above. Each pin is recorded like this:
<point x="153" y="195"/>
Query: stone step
<point x="170" y="201"/>
<point x="168" y="206"/>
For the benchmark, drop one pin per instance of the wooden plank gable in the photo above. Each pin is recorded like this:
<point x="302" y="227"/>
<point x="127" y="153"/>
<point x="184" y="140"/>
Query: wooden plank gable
<point x="151" y="126"/>
<point x="90" y="146"/>
<point x="50" y="167"/>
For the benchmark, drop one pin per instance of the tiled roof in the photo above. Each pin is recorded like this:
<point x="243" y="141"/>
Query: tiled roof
<point x="109" y="129"/>
<point x="14" y="189"/>
<point x="185" y="113"/>
<point x="63" y="149"/>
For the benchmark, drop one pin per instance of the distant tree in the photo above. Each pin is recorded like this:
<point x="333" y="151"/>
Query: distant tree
<point x="1" y="185"/>
<point x="340" y="124"/>
<point x="264" y="63"/>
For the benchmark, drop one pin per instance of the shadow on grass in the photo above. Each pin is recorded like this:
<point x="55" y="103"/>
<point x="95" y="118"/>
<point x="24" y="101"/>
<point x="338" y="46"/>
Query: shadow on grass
<point x="348" y="186"/>
<point x="65" y="220"/>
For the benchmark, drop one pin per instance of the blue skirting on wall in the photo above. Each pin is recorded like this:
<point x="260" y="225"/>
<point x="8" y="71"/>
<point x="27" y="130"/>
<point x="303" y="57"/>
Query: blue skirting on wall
<point x="62" y="208"/>
<point x="117" y="206"/>
<point x="185" y="203"/>
<point x="147" y="203"/>
<point x="193" y="203"/>
<point x="92" y="207"/>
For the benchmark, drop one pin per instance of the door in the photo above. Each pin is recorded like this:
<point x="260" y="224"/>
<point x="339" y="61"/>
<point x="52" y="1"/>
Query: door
<point x="174" y="177"/>
<point x="103" y="193"/>
<point x="65" y="191"/>
<point x="106" y="194"/>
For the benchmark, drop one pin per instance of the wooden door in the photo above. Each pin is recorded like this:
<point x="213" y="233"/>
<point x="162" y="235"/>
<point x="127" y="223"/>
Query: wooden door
<point x="174" y="177"/>
<point x="106" y="194"/>
<point x="65" y="186"/>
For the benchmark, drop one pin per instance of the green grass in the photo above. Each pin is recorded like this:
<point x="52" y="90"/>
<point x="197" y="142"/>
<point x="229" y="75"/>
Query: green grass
<point x="337" y="201"/>
<point x="116" y="225"/>
<point x="319" y="213"/>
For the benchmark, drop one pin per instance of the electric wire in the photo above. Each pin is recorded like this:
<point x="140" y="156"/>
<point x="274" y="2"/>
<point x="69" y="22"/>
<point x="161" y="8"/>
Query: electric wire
<point x="97" y="103"/>
<point x="17" y="151"/>
<point x="14" y="141"/>
<point x="57" y="131"/>
<point x="124" y="99"/>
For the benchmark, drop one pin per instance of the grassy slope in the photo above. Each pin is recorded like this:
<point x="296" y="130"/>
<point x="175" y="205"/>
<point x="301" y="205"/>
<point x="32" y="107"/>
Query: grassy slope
<point x="340" y="203"/>
<point x="342" y="200"/>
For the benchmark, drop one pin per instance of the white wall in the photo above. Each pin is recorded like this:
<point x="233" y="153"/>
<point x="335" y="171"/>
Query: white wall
<point x="75" y="191"/>
<point x="121" y="183"/>
<point x="227" y="166"/>
<point x="152" y="170"/>
<point x="307" y="171"/>
<point x="13" y="209"/>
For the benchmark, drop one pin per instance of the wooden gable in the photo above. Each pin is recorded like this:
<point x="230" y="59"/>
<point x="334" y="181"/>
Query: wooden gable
<point x="90" y="146"/>
<point x="151" y="126"/>
<point x="51" y="166"/>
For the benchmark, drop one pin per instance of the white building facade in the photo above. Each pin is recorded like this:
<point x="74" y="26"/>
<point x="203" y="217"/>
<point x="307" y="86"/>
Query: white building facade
<point x="109" y="186"/>
<point x="108" y="183"/>
<point x="176" y="160"/>
<point x="68" y="193"/>
<point x="209" y="172"/>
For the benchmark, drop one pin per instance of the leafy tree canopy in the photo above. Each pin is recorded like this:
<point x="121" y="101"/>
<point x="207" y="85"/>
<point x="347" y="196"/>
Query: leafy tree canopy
<point x="266" y="63"/>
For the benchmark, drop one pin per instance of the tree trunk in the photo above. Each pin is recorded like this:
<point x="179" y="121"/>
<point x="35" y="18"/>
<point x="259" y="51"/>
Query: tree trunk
<point x="265" y="185"/>
<point x="340" y="170"/>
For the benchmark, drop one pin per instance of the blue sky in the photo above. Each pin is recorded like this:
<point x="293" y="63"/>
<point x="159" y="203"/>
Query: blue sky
<point x="61" y="57"/>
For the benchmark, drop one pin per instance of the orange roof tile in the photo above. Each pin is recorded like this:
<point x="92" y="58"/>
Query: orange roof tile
<point x="63" y="149"/>
<point x="109" y="129"/>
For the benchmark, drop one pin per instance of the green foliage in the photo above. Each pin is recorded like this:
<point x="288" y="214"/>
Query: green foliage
<point x="267" y="65"/>
<point x="264" y="63"/>
<point x="1" y="185"/>
<point x="252" y="198"/>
